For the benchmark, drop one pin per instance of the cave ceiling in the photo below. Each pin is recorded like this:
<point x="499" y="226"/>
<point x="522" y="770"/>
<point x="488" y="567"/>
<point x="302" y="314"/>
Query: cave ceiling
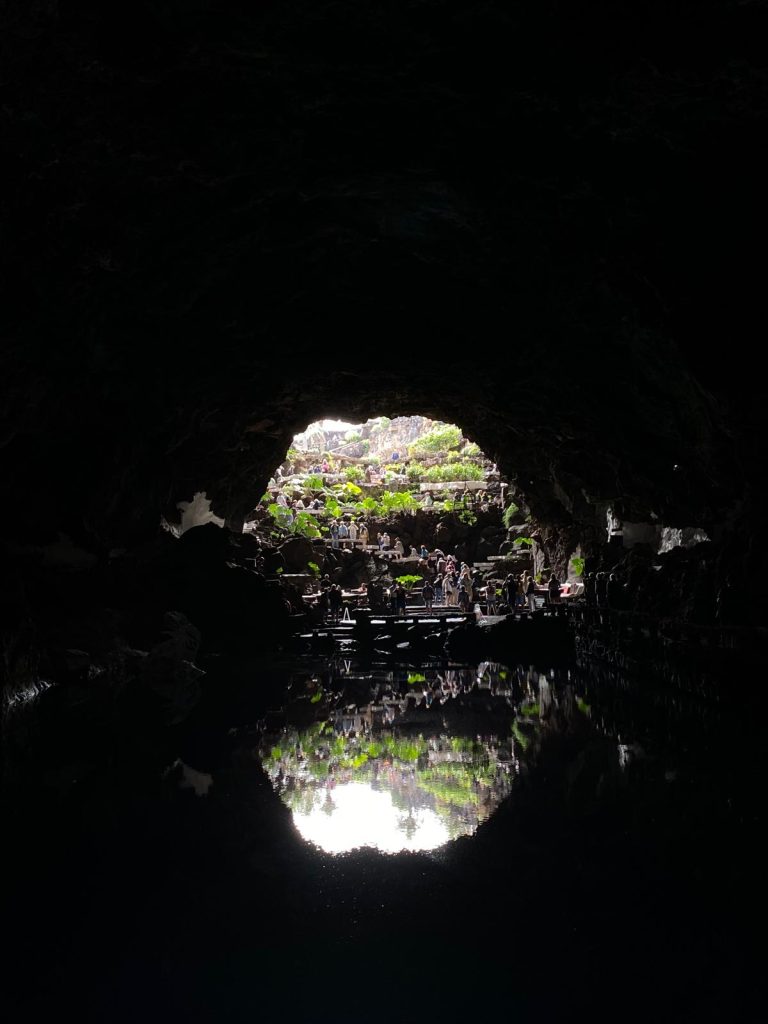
<point x="227" y="220"/>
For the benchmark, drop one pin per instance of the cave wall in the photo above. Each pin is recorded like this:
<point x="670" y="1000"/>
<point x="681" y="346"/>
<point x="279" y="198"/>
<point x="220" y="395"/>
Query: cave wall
<point x="226" y="222"/>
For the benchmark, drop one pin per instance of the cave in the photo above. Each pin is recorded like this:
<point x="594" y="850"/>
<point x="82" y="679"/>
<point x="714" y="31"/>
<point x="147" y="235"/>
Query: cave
<point x="225" y="222"/>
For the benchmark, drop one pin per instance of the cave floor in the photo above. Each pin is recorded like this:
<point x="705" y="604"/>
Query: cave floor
<point x="598" y="889"/>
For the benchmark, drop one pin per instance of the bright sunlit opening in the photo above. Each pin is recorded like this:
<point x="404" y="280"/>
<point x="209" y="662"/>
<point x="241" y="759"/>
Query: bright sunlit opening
<point x="356" y="815"/>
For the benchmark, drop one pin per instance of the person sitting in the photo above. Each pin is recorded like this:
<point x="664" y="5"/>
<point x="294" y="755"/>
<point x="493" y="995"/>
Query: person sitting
<point x="423" y="551"/>
<point x="316" y="504"/>
<point x="413" y="553"/>
<point x="399" y="549"/>
<point x="384" y="541"/>
<point x="299" y="505"/>
<point x="428" y="500"/>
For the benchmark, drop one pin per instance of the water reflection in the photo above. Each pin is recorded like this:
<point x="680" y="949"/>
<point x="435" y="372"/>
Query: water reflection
<point x="426" y="759"/>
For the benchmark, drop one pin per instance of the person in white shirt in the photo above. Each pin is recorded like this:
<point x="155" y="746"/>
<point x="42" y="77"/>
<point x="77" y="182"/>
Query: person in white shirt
<point x="353" y="533"/>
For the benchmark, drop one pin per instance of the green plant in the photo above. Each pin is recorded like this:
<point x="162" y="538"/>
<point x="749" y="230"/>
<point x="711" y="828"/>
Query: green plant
<point x="352" y="435"/>
<point x="416" y="677"/>
<point x="304" y="524"/>
<point x="397" y="501"/>
<point x="471" y="450"/>
<point x="314" y="567"/>
<point x="523" y="542"/>
<point x="452" y="471"/>
<point x="313" y="482"/>
<point x="409" y="581"/>
<point x="467" y="517"/>
<point x="509" y="513"/>
<point x="354" y="474"/>
<point x="442" y="438"/>
<point x="577" y="564"/>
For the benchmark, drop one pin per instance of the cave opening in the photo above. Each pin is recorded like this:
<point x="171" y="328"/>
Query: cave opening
<point x="222" y="800"/>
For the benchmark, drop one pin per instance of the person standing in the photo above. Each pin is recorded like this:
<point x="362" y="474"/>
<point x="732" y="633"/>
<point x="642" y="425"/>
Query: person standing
<point x="353" y="533"/>
<point x="530" y="594"/>
<point x="363" y="535"/>
<point x="509" y="591"/>
<point x="428" y="593"/>
<point x="438" y="584"/>
<point x="343" y="533"/>
<point x="400" y="598"/>
<point x="554" y="589"/>
<point x="449" y="590"/>
<point x="334" y="534"/>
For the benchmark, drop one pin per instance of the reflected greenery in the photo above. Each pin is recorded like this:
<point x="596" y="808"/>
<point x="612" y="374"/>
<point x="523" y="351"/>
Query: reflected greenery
<point x="405" y="758"/>
<point x="457" y="779"/>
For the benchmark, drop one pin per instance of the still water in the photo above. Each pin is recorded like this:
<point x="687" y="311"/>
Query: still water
<point x="333" y="839"/>
<point x="402" y="760"/>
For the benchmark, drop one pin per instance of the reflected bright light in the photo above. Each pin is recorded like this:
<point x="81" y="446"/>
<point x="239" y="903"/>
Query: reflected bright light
<point x="357" y="815"/>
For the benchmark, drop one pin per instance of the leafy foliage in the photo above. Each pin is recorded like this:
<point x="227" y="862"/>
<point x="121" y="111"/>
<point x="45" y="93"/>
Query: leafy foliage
<point x="355" y="474"/>
<point x="440" y="439"/>
<point x="408" y="581"/>
<point x="509" y="514"/>
<point x="577" y="564"/>
<point x="455" y="471"/>
<point x="397" y="501"/>
<point x="303" y="523"/>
